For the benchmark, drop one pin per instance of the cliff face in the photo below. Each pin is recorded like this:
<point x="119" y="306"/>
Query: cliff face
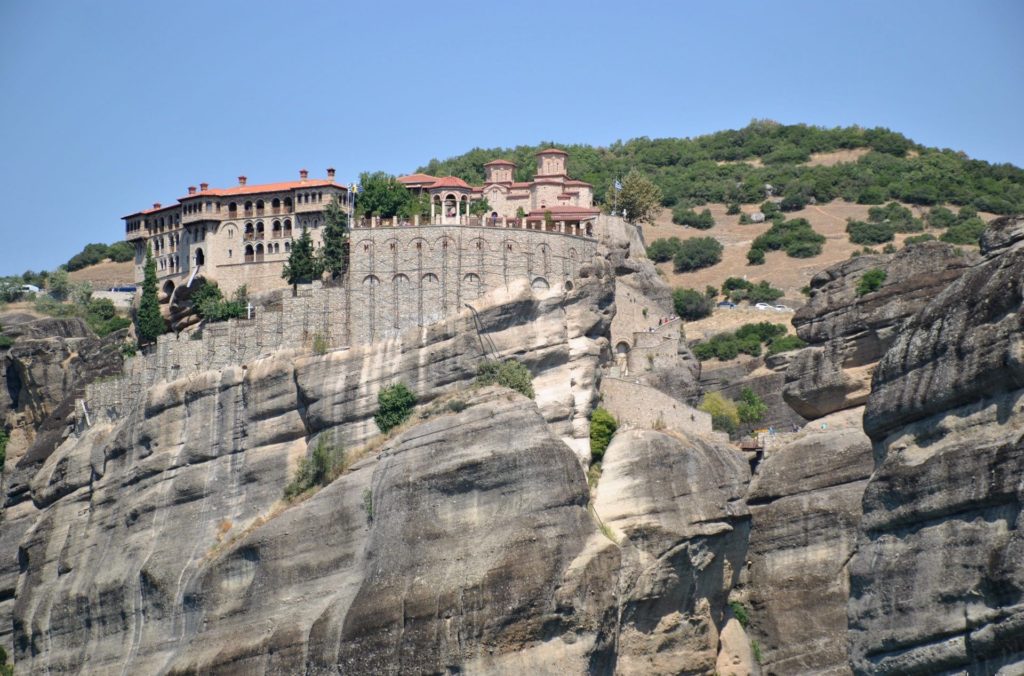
<point x="937" y="583"/>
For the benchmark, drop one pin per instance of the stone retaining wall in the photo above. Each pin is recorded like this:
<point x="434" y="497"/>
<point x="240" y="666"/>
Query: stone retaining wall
<point x="635" y="405"/>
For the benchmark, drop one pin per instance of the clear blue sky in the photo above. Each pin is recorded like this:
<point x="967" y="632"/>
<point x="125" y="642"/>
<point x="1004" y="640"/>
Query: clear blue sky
<point x="110" y="106"/>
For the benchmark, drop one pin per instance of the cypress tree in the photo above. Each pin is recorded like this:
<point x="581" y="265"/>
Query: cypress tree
<point x="302" y="265"/>
<point x="334" y="255"/>
<point x="150" y="321"/>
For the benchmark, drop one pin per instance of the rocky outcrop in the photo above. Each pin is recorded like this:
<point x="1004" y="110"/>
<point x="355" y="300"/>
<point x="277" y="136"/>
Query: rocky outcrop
<point x="675" y="504"/>
<point x="805" y="509"/>
<point x="937" y="583"/>
<point x="848" y="333"/>
<point x="765" y="378"/>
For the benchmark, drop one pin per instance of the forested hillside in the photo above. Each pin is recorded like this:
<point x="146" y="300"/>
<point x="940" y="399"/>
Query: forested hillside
<point x="733" y="166"/>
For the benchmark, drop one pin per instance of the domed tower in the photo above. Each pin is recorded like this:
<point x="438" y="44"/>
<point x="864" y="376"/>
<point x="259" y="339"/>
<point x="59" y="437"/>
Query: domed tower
<point x="499" y="171"/>
<point x="551" y="162"/>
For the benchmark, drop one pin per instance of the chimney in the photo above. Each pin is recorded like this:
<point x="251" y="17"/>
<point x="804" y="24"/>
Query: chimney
<point x="303" y="174"/>
<point x="330" y="173"/>
<point x="241" y="180"/>
<point x="156" y="205"/>
<point x="203" y="186"/>
<point x="191" y="190"/>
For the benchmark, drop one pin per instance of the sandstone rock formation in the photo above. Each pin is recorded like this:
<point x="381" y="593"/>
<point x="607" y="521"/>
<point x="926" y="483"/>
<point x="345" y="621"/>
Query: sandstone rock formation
<point x="848" y="333"/>
<point x="937" y="583"/>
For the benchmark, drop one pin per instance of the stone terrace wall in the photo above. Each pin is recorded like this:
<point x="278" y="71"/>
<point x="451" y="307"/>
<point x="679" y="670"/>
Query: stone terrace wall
<point x="635" y="405"/>
<point x="400" y="278"/>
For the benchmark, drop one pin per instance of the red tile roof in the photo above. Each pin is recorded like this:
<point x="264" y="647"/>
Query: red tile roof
<point x="501" y="162"/>
<point x="416" y="178"/>
<point x="265" y="187"/>
<point x="565" y="211"/>
<point x="573" y="181"/>
<point x="450" y="182"/>
<point x="549" y="151"/>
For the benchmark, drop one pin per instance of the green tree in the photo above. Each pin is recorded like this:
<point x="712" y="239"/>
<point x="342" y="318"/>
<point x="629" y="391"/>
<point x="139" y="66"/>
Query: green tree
<point x="662" y="250"/>
<point x="394" y="406"/>
<point x="335" y="252"/>
<point x="697" y="253"/>
<point x="480" y="207"/>
<point x="58" y="284"/>
<point x="150" y="321"/>
<point x="724" y="416"/>
<point x="685" y="216"/>
<point x="324" y="465"/>
<point x="691" y="304"/>
<point x="751" y="408"/>
<point x="303" y="265"/>
<point x="381" y="194"/>
<point x="755" y="257"/>
<point x="602" y="429"/>
<point x="640" y="198"/>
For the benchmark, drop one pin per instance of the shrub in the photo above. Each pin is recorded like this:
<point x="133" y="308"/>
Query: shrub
<point x="917" y="239"/>
<point x="211" y="305"/>
<point x="685" y="216"/>
<point x="785" y="344"/>
<point x="323" y="466"/>
<point x="509" y="373"/>
<point x="740" y="613"/>
<point x="770" y="209"/>
<point x="796" y="237"/>
<point x="872" y="195"/>
<point x="793" y="203"/>
<point x="602" y="429"/>
<point x="964" y="232"/>
<point x="394" y="406"/>
<point x="870" y="281"/>
<point x="4" y="438"/>
<point x="732" y="209"/>
<point x="869" y="233"/>
<point x="762" y="331"/>
<point x="697" y="253"/>
<point x="456" y="406"/>
<point x="745" y="219"/>
<point x="101" y="316"/>
<point x="691" y="304"/>
<point x="724" y="416"/>
<point x="755" y="257"/>
<point x="763" y="292"/>
<point x="5" y="342"/>
<point x="662" y="250"/>
<point x="751" y="408"/>
<point x="897" y="216"/>
<point x="940" y="217"/>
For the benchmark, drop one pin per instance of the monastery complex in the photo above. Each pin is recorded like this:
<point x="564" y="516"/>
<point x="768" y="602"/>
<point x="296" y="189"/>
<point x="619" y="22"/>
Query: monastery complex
<point x="243" y="235"/>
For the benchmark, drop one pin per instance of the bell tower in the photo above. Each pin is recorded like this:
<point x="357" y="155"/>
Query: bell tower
<point x="499" y="171"/>
<point x="551" y="162"/>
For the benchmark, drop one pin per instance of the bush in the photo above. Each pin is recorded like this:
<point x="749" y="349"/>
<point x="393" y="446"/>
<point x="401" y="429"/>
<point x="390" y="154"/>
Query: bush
<point x="870" y="281"/>
<point x="732" y="209"/>
<point x="897" y="216"/>
<point x="691" y="304"/>
<point x="796" y="237"/>
<point x="755" y="257"/>
<point x="917" y="239"/>
<point x="740" y="613"/>
<point x="662" y="250"/>
<point x="697" y="253"/>
<point x="869" y="233"/>
<point x="323" y="466"/>
<point x="793" y="203"/>
<point x="5" y="341"/>
<point x="872" y="195"/>
<point x="940" y="217"/>
<point x="964" y="232"/>
<point x="770" y="209"/>
<point x="4" y="438"/>
<point x="509" y="373"/>
<point x="751" y="408"/>
<point x="211" y="305"/>
<point x="101" y="316"/>
<point x="724" y="416"/>
<point x="685" y="216"/>
<point x="762" y="331"/>
<point x="785" y="344"/>
<point x="394" y="406"/>
<point x="746" y="340"/>
<point x="763" y="292"/>
<point x="602" y="429"/>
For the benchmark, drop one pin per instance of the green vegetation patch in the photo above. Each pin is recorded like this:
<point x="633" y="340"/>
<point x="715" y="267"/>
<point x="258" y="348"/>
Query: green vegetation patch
<point x="327" y="461"/>
<point x="394" y="406"/>
<point x="697" y="253"/>
<point x="602" y="428"/>
<point x="724" y="415"/>
<point x="796" y="237"/>
<point x="509" y="373"/>
<point x="870" y="281"/>
<point x="685" y="216"/>
<point x="691" y="304"/>
<point x="748" y="339"/>
<point x="738" y="289"/>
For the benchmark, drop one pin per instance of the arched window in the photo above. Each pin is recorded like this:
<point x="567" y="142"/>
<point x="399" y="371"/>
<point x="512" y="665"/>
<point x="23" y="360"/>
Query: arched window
<point x="249" y="253"/>
<point x="275" y="203"/>
<point x="276" y="229"/>
<point x="371" y="280"/>
<point x="259" y="252"/>
<point x="259" y="205"/>
<point x="259" y="230"/>
<point x="248" y="207"/>
<point x="287" y="227"/>
<point x="288" y="203"/>
<point x="249" y="231"/>
<point x="287" y="247"/>
<point x="200" y="257"/>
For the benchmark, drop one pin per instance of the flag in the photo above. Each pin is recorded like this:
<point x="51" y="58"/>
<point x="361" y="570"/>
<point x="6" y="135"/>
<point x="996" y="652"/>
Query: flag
<point x="618" y="184"/>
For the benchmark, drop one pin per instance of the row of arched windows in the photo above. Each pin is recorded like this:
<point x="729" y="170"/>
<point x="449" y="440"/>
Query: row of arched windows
<point x="257" y="230"/>
<point x="254" y="254"/>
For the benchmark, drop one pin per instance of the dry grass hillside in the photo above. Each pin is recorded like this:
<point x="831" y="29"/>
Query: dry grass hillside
<point x="788" y="274"/>
<point x="105" y="275"/>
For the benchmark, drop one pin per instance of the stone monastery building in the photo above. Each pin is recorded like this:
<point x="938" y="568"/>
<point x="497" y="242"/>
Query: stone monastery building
<point x="243" y="235"/>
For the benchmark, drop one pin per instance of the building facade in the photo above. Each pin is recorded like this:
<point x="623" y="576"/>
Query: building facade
<point x="236" y="236"/>
<point x="550" y="196"/>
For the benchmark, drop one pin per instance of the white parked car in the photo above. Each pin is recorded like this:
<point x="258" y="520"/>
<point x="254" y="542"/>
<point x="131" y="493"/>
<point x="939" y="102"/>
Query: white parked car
<point x="782" y="308"/>
<point x="763" y="306"/>
<point x="29" y="288"/>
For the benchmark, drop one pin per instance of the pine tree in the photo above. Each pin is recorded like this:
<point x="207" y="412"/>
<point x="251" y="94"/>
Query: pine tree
<point x="302" y="265"/>
<point x="334" y="254"/>
<point x="150" y="321"/>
